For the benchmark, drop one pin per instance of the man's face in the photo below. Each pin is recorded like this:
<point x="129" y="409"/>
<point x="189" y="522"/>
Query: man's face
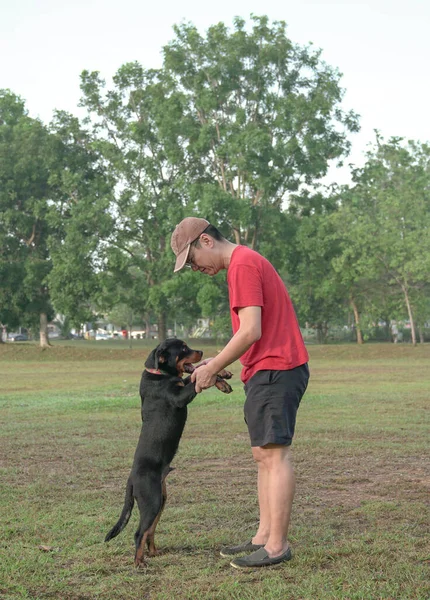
<point x="203" y="258"/>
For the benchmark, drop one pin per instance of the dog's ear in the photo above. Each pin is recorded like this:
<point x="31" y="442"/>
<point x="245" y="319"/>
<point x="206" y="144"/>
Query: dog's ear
<point x="155" y="357"/>
<point x="150" y="361"/>
<point x="159" y="355"/>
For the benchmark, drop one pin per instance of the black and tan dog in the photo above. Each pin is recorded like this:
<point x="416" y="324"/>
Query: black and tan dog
<point x="165" y="396"/>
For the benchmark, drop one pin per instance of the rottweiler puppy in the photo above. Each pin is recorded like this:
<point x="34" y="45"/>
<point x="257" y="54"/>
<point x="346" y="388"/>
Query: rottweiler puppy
<point x="165" y="395"/>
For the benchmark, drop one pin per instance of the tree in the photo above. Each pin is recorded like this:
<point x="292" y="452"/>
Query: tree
<point x="25" y="196"/>
<point x="356" y="272"/>
<point x="13" y="301"/>
<point x="231" y="124"/>
<point x="318" y="293"/>
<point x="80" y="221"/>
<point x="137" y="123"/>
<point x="262" y="117"/>
<point x="53" y="208"/>
<point x="389" y="214"/>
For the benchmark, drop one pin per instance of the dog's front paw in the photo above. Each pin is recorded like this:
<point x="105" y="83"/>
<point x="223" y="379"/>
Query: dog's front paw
<point x="223" y="386"/>
<point x="225" y="374"/>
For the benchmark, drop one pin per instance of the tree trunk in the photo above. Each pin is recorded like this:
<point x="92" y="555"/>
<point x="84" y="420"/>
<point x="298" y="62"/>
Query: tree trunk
<point x="130" y="329"/>
<point x="325" y="332"/>
<point x="254" y="239"/>
<point x="162" y="330"/>
<point x="421" y="334"/>
<point x="322" y="330"/>
<point x="357" y="321"/>
<point x="44" y="338"/>
<point x="411" y="318"/>
<point x="387" y="329"/>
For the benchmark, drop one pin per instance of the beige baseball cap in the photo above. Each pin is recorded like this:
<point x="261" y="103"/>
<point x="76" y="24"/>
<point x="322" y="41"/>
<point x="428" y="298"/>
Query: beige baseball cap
<point x="185" y="233"/>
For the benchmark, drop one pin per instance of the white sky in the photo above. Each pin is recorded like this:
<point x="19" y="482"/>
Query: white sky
<point x="382" y="47"/>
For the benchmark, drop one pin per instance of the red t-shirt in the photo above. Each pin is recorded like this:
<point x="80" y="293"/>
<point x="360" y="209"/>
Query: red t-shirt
<point x="253" y="281"/>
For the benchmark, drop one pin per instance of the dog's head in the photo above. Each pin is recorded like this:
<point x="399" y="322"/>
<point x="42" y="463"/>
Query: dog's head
<point x="173" y="357"/>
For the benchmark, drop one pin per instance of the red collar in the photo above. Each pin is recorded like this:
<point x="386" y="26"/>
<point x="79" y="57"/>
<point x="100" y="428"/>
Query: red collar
<point x="154" y="371"/>
<point x="158" y="372"/>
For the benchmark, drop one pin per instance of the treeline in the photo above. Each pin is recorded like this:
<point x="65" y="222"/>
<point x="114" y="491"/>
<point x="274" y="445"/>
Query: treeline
<point x="238" y="126"/>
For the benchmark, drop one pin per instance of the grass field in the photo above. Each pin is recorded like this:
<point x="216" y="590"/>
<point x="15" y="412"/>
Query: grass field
<point x="70" y="420"/>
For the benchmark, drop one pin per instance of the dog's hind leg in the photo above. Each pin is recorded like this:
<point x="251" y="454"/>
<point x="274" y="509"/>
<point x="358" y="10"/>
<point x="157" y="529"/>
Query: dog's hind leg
<point x="150" y="501"/>
<point x="152" y="550"/>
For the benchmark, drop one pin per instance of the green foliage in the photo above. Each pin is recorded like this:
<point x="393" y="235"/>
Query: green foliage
<point x="262" y="118"/>
<point x="318" y="294"/>
<point x="136" y="124"/>
<point x="238" y="126"/>
<point x="25" y="204"/>
<point x="213" y="301"/>
<point x="384" y="225"/>
<point x="366" y="248"/>
<point x="54" y="197"/>
<point x="82" y="221"/>
<point x="232" y="122"/>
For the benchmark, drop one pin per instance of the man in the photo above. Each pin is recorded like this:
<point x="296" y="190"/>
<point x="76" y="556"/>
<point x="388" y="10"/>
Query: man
<point x="268" y="342"/>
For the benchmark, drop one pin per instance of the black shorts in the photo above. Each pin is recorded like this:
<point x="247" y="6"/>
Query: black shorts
<point x="272" y="401"/>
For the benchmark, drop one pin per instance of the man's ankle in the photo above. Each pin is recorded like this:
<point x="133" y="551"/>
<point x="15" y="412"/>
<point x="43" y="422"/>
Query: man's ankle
<point x="274" y="550"/>
<point x="259" y="539"/>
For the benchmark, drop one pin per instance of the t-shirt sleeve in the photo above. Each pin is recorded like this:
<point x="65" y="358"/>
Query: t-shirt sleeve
<point x="245" y="287"/>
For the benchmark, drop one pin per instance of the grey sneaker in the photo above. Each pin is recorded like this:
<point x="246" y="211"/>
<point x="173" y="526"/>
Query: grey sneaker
<point x="240" y="549"/>
<point x="260" y="558"/>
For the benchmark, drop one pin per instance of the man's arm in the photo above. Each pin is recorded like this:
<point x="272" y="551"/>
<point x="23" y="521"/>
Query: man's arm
<point x="249" y="332"/>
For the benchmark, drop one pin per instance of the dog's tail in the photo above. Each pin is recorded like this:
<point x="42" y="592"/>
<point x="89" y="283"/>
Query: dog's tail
<point x="126" y="512"/>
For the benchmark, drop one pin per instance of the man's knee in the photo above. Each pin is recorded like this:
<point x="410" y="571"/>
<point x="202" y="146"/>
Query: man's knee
<point x="270" y="454"/>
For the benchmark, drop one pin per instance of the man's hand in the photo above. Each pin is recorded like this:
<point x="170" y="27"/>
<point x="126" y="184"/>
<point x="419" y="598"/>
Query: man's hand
<point x="204" y="362"/>
<point x="203" y="377"/>
<point x="223" y="373"/>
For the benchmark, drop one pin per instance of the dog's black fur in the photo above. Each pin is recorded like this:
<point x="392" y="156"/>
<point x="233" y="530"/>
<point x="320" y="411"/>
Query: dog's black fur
<point x="165" y="396"/>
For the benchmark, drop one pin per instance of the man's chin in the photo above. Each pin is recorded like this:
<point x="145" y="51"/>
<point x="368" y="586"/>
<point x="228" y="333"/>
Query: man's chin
<point x="211" y="271"/>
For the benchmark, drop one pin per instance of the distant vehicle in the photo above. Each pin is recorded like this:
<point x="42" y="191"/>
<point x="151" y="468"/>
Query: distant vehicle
<point x="102" y="336"/>
<point x="18" y="337"/>
<point x="138" y="335"/>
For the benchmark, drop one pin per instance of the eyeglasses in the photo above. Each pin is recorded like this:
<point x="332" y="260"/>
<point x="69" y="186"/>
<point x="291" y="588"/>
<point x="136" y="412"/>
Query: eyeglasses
<point x="191" y="264"/>
<point x="190" y="261"/>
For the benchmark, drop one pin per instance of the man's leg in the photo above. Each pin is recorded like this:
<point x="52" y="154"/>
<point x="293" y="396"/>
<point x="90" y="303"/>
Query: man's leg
<point x="263" y="532"/>
<point x="276" y="487"/>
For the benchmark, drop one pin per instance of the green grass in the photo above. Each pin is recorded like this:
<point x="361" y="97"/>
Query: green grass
<point x="70" y="420"/>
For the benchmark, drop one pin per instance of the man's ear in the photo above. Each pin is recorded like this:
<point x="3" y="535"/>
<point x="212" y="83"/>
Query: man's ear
<point x="206" y="240"/>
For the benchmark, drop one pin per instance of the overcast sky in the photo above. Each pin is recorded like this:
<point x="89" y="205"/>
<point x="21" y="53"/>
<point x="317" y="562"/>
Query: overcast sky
<point x="382" y="47"/>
